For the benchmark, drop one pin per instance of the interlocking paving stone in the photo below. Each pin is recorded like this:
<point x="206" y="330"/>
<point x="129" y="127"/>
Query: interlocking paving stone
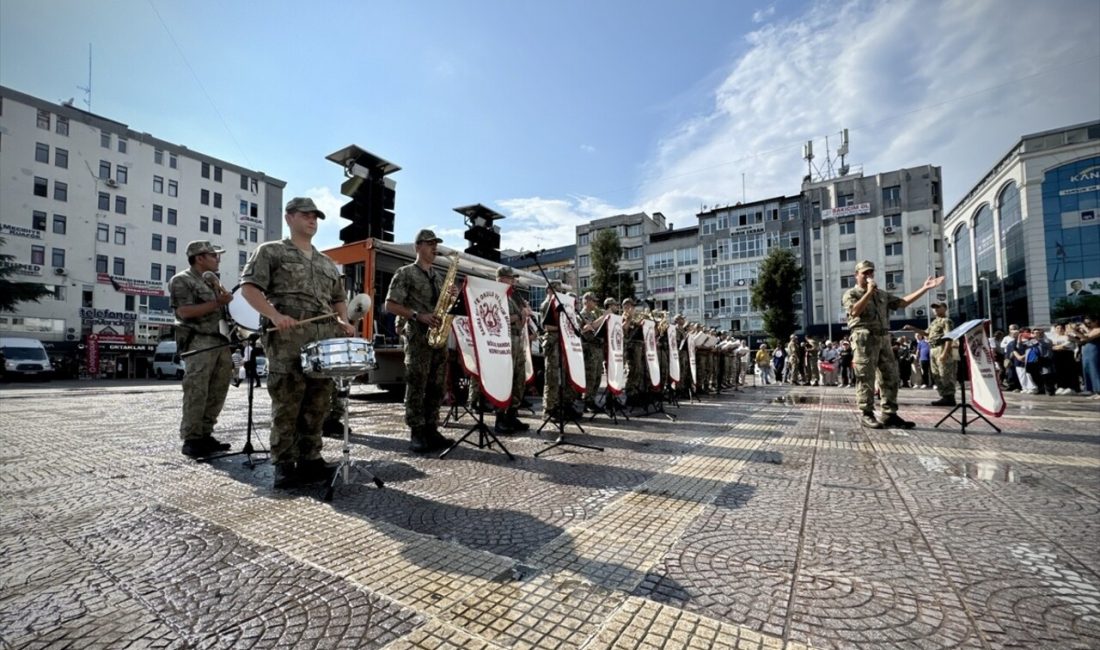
<point x="752" y="522"/>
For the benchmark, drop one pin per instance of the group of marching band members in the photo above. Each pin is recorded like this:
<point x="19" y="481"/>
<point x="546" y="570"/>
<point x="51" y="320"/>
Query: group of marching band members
<point x="706" y="360"/>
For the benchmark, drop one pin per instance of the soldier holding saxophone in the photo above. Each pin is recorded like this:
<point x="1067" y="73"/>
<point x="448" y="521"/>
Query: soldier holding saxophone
<point x="413" y="295"/>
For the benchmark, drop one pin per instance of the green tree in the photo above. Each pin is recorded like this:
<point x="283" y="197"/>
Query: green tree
<point x="780" y="280"/>
<point x="1076" y="307"/>
<point x="12" y="292"/>
<point x="607" y="280"/>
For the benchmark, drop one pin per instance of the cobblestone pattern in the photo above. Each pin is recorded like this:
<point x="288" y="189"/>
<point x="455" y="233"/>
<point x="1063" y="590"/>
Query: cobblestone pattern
<point x="758" y="520"/>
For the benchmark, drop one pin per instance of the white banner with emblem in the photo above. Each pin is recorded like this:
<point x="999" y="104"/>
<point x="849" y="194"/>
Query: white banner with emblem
<point x="571" y="348"/>
<point x="649" y="335"/>
<point x="487" y="307"/>
<point x="985" y="388"/>
<point x="460" y="325"/>
<point x="616" y="369"/>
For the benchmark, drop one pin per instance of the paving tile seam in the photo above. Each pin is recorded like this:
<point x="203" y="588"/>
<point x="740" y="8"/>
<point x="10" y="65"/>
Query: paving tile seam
<point x="1030" y="523"/>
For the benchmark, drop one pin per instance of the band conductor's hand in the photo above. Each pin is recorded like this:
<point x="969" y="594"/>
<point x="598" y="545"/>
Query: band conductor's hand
<point x="932" y="282"/>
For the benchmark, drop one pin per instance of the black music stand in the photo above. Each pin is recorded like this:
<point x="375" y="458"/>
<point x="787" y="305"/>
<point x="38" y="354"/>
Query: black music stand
<point x="250" y="376"/>
<point x="560" y="440"/>
<point x="611" y="406"/>
<point x="955" y="335"/>
<point x="485" y="436"/>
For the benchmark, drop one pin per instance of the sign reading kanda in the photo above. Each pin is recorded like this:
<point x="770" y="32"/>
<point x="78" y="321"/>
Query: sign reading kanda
<point x="571" y="348"/>
<point x="487" y="308"/>
<point x="649" y="335"/>
<point x="616" y="369"/>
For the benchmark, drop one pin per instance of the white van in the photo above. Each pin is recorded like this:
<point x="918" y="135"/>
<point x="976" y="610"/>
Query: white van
<point x="24" y="358"/>
<point x="166" y="363"/>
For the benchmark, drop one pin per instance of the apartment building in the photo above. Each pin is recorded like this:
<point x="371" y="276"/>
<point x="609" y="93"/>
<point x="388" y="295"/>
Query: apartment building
<point x="633" y="231"/>
<point x="894" y="219"/>
<point x="101" y="214"/>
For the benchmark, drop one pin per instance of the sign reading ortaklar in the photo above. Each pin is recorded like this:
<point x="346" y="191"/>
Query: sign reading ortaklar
<point x="846" y="211"/>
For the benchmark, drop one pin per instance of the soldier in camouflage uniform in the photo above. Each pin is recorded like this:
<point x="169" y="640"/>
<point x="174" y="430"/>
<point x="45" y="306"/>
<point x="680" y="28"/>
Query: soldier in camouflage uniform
<point x="633" y="353"/>
<point x="413" y="295"/>
<point x="198" y="309"/>
<point x="813" y="356"/>
<point x="868" y="309"/>
<point x="507" y="420"/>
<point x="944" y="359"/>
<point x="554" y="368"/>
<point x="796" y="361"/>
<point x="593" y="350"/>
<point x="289" y="281"/>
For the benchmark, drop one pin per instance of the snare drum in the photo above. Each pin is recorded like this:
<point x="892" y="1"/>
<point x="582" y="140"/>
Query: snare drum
<point x="337" y="357"/>
<point x="242" y="313"/>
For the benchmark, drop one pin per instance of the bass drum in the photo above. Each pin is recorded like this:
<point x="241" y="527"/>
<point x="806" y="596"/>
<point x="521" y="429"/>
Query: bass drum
<point x="244" y="316"/>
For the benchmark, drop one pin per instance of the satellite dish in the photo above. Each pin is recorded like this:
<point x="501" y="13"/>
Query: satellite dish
<point x="358" y="308"/>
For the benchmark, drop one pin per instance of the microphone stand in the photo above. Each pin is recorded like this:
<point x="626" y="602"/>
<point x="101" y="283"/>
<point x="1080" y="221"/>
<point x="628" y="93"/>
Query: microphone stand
<point x="250" y="375"/>
<point x="560" y="439"/>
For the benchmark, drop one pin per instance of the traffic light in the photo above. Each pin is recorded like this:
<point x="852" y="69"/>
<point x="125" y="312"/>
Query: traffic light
<point x="370" y="209"/>
<point x="483" y="236"/>
<point x="372" y="194"/>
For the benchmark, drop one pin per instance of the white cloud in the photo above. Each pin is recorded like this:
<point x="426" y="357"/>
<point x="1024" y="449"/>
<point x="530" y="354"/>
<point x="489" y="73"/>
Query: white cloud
<point x="328" y="231"/>
<point x="535" y="222"/>
<point x="760" y="15"/>
<point x="587" y="148"/>
<point x="952" y="84"/>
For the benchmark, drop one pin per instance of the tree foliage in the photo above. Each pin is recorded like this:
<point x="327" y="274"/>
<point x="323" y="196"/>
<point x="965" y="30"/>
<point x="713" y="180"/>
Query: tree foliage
<point x="607" y="279"/>
<point x="11" y="292"/>
<point x="1076" y="307"/>
<point x="779" y="281"/>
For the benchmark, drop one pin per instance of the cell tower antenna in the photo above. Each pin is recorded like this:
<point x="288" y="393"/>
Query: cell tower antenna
<point x="88" y="89"/>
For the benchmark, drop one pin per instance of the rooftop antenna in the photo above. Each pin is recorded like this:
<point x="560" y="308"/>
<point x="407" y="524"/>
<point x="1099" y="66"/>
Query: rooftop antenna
<point x="742" y="187"/>
<point x="842" y="151"/>
<point x="88" y="89"/>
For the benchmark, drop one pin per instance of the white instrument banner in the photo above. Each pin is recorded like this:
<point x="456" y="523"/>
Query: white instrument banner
<point x="673" y="356"/>
<point x="649" y="335"/>
<point x="985" y="389"/>
<point x="571" y="348"/>
<point x="460" y="325"/>
<point x="692" y="343"/>
<point x="487" y="307"/>
<point x="529" y="364"/>
<point x="616" y="369"/>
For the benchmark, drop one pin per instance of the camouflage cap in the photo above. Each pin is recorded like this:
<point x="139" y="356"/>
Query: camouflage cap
<point x="556" y="285"/>
<point x="588" y="295"/>
<point x="426" y="235"/>
<point x="628" y="301"/>
<point x="202" y="246"/>
<point x="607" y="302"/>
<point x="939" y="304"/>
<point x="303" y="204"/>
<point x="505" y="272"/>
<point x="865" y="265"/>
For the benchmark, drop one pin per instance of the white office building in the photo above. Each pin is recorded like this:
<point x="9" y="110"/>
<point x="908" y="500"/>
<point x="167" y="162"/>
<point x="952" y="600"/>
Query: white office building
<point x="102" y="214"/>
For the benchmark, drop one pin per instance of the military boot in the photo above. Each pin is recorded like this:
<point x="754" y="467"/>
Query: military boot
<point x="867" y="419"/>
<point x="502" y="424"/>
<point x="418" y="440"/>
<point x="315" y="470"/>
<point x="944" y="401"/>
<point x="895" y="421"/>
<point x="285" y="476"/>
<point x="513" y="417"/>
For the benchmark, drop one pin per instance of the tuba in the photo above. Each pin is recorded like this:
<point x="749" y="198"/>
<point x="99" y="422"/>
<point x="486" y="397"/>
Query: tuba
<point x="437" y="336"/>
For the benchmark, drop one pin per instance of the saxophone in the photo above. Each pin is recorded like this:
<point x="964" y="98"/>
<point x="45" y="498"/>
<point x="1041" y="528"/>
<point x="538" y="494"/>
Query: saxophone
<point x="437" y="336"/>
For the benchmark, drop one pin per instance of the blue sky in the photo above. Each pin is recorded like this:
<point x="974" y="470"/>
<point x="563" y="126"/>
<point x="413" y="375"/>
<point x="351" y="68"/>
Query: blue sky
<point x="555" y="113"/>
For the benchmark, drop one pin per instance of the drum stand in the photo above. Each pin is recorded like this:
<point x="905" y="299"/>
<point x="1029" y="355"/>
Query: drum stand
<point x="963" y="406"/>
<point x="250" y="375"/>
<point x="344" y="468"/>
<point x="610" y="407"/>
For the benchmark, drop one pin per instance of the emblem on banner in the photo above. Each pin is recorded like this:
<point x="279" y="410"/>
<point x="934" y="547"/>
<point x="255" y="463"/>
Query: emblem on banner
<point x="489" y="313"/>
<point x="617" y="337"/>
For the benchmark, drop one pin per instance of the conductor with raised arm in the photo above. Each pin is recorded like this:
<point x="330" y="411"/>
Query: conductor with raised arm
<point x="868" y="309"/>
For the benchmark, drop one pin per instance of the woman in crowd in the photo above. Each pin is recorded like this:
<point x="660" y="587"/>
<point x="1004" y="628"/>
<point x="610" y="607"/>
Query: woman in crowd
<point x="1088" y="337"/>
<point x="1066" y="368"/>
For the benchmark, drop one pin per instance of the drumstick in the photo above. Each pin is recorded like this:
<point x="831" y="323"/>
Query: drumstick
<point x="306" y="320"/>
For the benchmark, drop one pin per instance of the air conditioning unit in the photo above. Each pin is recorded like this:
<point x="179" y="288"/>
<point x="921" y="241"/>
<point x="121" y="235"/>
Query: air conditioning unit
<point x="889" y="230"/>
<point x="891" y="286"/>
<point x="919" y="312"/>
<point x="915" y="230"/>
<point x="741" y="282"/>
<point x="59" y="271"/>
<point x="241" y="241"/>
<point x="112" y="182"/>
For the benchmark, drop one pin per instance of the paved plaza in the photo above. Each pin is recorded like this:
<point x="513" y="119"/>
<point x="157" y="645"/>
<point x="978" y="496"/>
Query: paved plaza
<point x="765" y="518"/>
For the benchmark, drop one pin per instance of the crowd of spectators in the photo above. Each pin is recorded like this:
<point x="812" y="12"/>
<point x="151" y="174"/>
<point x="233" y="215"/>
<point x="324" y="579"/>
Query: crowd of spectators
<point x="1032" y="360"/>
